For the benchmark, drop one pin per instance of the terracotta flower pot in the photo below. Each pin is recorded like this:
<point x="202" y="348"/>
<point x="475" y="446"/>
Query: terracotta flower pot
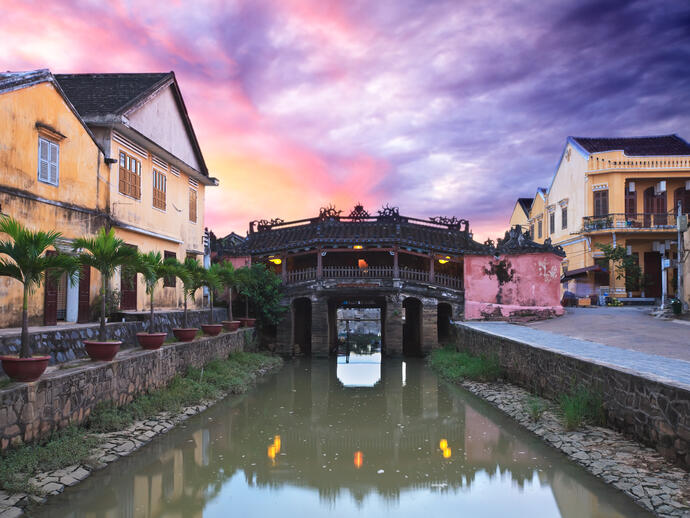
<point x="247" y="322"/>
<point x="185" y="334"/>
<point x="24" y="369"/>
<point x="212" y="329"/>
<point x="231" y="325"/>
<point x="151" y="341"/>
<point x="101" y="351"/>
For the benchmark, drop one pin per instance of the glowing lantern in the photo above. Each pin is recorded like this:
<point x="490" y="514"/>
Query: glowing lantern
<point x="362" y="264"/>
<point x="444" y="260"/>
<point x="446" y="453"/>
<point x="275" y="260"/>
<point x="443" y="444"/>
<point x="358" y="247"/>
<point x="359" y="459"/>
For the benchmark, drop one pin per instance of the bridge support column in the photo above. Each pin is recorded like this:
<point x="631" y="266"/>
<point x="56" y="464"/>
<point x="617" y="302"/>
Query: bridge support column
<point x="320" y="324"/>
<point x="393" y="326"/>
<point x="284" y="332"/>
<point x="429" y="325"/>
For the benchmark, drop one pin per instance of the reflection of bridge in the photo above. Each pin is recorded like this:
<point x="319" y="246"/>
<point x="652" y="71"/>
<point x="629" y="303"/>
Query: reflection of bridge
<point x="412" y="269"/>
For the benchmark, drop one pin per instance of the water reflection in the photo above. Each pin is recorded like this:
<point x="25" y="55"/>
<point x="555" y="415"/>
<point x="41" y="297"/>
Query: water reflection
<point x="307" y="442"/>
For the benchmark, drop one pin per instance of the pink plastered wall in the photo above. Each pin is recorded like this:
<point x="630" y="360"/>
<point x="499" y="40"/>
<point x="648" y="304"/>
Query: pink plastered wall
<point x="533" y="289"/>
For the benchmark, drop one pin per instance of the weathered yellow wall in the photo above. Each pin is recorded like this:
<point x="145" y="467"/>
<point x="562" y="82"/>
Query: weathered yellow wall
<point x="518" y="217"/>
<point x="80" y="163"/>
<point x="537" y="212"/>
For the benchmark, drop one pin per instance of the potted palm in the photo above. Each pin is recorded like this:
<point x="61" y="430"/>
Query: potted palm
<point x="105" y="253"/>
<point x="245" y="285"/>
<point x="27" y="261"/>
<point x="153" y="268"/>
<point x="210" y="279"/>
<point x="228" y="278"/>
<point x="190" y="273"/>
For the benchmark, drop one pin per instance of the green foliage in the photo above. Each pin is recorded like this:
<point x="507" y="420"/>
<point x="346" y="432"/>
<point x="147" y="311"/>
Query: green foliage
<point x="64" y="448"/>
<point x="614" y="302"/>
<point x="23" y="257"/>
<point x="626" y="266"/>
<point x="582" y="406"/>
<point x="228" y="279"/>
<point x="536" y="407"/>
<point x="456" y="366"/>
<point x="262" y="288"/>
<point x="153" y="268"/>
<point x="112" y="302"/>
<point x="233" y="375"/>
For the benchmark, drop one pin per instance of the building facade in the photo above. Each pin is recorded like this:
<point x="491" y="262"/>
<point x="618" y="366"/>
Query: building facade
<point x="90" y="150"/>
<point x="619" y="192"/>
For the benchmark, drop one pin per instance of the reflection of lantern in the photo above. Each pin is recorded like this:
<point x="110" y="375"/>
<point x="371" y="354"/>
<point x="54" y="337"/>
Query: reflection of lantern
<point x="359" y="459"/>
<point x="446" y="453"/>
<point x="443" y="444"/>
<point x="276" y="443"/>
<point x="272" y="452"/>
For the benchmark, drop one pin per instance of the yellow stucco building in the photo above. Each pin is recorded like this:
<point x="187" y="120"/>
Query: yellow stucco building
<point x="622" y="192"/>
<point x="78" y="152"/>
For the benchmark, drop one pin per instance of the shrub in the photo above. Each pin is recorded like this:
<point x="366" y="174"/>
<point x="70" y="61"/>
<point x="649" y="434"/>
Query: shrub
<point x="582" y="406"/>
<point x="536" y="407"/>
<point x="456" y="366"/>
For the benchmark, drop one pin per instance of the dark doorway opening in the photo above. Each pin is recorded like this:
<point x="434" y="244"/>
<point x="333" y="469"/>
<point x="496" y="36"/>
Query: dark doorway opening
<point x="444" y="313"/>
<point x="301" y="335"/>
<point x="128" y="289"/>
<point x="412" y="327"/>
<point x="652" y="274"/>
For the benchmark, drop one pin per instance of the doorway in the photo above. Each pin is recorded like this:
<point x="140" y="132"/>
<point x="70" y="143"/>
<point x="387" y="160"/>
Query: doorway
<point x="412" y="327"/>
<point x="652" y="274"/>
<point x="301" y="326"/>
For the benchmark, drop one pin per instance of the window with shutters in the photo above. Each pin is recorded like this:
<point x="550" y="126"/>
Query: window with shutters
<point x="130" y="175"/>
<point x="169" y="281"/>
<point x="539" y="229"/>
<point x="552" y="222"/>
<point x="601" y="203"/>
<point x="564" y="217"/>
<point x="192" y="205"/>
<point x="48" y="161"/>
<point x="159" y="189"/>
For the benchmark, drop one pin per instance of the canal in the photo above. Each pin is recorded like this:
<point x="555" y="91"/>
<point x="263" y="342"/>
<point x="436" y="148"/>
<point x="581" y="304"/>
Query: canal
<point x="339" y="438"/>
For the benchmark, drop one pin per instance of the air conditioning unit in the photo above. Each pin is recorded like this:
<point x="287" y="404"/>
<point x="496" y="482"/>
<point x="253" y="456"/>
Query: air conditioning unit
<point x="631" y="186"/>
<point x="660" y="187"/>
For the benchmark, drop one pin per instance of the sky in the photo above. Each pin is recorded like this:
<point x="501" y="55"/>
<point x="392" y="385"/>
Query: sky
<point x="439" y="107"/>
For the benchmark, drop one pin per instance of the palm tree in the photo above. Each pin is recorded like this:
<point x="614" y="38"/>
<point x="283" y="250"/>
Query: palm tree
<point x="210" y="277"/>
<point x="228" y="278"/>
<point x="105" y="253"/>
<point x="153" y="268"/>
<point x="190" y="273"/>
<point x="28" y="263"/>
<point x="244" y="280"/>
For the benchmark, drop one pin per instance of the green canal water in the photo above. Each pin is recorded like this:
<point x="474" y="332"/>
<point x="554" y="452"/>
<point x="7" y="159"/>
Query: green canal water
<point x="330" y="438"/>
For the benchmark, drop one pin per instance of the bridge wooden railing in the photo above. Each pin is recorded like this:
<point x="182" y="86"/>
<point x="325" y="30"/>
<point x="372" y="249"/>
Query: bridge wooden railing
<point x="373" y="272"/>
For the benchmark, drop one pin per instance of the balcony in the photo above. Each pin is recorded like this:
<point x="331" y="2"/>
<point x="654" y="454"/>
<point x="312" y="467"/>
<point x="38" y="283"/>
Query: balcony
<point x="630" y="222"/>
<point x="374" y="272"/>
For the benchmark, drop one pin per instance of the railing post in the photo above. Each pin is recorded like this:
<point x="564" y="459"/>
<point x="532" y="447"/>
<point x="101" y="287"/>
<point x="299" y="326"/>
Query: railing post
<point x="396" y="268"/>
<point x="432" y="276"/>
<point x="319" y="264"/>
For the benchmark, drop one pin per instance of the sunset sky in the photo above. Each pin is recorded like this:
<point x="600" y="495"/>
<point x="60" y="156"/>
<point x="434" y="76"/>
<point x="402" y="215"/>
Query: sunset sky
<point x="439" y="107"/>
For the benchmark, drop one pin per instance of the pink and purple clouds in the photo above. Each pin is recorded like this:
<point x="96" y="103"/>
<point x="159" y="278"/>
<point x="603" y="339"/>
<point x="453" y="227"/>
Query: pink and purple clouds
<point x="439" y="107"/>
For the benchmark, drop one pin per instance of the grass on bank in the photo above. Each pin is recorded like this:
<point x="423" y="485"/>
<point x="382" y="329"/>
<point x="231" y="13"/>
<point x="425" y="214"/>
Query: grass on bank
<point x="73" y="445"/>
<point x="582" y="406"/>
<point x="456" y="366"/>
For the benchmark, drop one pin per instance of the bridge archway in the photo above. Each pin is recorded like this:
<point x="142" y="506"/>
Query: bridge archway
<point x="301" y="328"/>
<point x="444" y="313"/>
<point x="412" y="327"/>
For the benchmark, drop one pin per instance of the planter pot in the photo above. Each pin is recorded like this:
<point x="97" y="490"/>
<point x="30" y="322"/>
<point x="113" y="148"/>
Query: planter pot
<point x="151" y="341"/>
<point x="247" y="322"/>
<point x="231" y="325"/>
<point x="101" y="351"/>
<point x="185" y="334"/>
<point x="212" y="329"/>
<point x="24" y="369"/>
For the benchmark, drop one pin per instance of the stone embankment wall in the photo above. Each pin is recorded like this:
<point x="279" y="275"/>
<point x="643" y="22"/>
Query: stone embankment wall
<point x="29" y="411"/>
<point x="654" y="413"/>
<point x="66" y="343"/>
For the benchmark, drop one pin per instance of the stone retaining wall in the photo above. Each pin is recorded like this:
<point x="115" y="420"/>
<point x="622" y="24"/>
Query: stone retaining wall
<point x="65" y="342"/>
<point x="29" y="411"/>
<point x="654" y="413"/>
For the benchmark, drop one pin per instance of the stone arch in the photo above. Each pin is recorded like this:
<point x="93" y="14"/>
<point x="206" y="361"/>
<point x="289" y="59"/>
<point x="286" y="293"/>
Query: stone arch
<point x="444" y="314"/>
<point x="412" y="328"/>
<point x="301" y="325"/>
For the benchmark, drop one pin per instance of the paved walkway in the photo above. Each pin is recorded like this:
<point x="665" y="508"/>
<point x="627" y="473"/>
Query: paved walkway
<point x="625" y="327"/>
<point x="659" y="368"/>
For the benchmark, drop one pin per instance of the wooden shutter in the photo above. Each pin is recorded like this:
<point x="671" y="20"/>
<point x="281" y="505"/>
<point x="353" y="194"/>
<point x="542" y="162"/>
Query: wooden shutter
<point x="54" y="161"/>
<point x="192" y="205"/>
<point x="84" y="294"/>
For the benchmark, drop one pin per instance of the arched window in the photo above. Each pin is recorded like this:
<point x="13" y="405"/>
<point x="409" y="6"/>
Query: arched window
<point x="683" y="196"/>
<point x="654" y="208"/>
<point x="630" y="204"/>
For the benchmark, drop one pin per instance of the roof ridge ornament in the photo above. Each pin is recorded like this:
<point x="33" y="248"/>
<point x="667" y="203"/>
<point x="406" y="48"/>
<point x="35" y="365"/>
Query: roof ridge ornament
<point x="359" y="213"/>
<point x="388" y="212"/>
<point x="265" y="224"/>
<point x="452" y="222"/>
<point x="516" y="241"/>
<point x="329" y="212"/>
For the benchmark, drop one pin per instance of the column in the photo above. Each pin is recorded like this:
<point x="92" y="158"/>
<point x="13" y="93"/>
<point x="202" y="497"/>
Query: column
<point x="283" y="269"/>
<point x="319" y="264"/>
<point x="429" y="325"/>
<point x="431" y="269"/>
<point x="284" y="335"/>
<point x="393" y="325"/>
<point x="396" y="267"/>
<point x="319" y="327"/>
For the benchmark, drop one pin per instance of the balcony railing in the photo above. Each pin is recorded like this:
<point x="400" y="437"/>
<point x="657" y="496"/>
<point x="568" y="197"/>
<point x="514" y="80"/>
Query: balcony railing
<point x="373" y="272"/>
<point x="639" y="221"/>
